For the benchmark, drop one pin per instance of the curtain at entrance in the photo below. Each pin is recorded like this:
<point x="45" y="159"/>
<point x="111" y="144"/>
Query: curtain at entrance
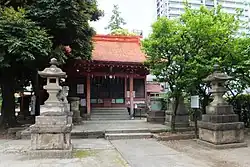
<point x="102" y="88"/>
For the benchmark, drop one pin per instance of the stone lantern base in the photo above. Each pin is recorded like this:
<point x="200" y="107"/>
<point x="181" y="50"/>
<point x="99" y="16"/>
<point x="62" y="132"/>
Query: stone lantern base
<point x="51" y="137"/>
<point x="221" y="131"/>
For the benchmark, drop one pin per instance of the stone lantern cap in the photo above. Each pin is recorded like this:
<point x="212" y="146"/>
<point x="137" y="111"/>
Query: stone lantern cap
<point x="217" y="75"/>
<point x="53" y="70"/>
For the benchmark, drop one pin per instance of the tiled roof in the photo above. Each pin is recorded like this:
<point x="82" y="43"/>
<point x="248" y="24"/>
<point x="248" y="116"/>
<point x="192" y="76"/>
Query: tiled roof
<point x="117" y="49"/>
<point x="154" y="87"/>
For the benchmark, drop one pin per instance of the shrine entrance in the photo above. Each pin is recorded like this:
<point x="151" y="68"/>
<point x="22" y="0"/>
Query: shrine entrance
<point x="107" y="91"/>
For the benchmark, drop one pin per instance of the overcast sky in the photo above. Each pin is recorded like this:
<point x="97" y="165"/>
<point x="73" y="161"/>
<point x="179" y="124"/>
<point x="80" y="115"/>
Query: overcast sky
<point x="139" y="14"/>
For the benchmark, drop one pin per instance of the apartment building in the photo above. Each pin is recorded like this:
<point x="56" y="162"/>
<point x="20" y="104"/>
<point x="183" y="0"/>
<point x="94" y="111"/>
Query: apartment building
<point x="174" y="8"/>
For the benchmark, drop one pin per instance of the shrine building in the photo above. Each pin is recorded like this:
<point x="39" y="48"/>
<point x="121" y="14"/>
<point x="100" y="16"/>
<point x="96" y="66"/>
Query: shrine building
<point x="114" y="78"/>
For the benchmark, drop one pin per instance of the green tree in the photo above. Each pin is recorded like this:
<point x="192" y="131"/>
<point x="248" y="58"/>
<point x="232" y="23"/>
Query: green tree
<point x="16" y="3"/>
<point x="167" y="57"/>
<point x="22" y="44"/>
<point x="123" y="32"/>
<point x="183" y="51"/>
<point x="116" y="21"/>
<point x="67" y="21"/>
<point x="212" y="37"/>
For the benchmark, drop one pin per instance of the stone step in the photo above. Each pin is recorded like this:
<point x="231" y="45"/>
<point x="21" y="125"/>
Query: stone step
<point x="141" y="130"/>
<point x="118" y="136"/>
<point x="113" y="111"/>
<point x="110" y="113"/>
<point x="109" y="118"/>
<point x="110" y="108"/>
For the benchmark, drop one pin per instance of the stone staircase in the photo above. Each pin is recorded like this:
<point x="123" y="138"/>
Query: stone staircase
<point x="110" y="114"/>
<point x="127" y="134"/>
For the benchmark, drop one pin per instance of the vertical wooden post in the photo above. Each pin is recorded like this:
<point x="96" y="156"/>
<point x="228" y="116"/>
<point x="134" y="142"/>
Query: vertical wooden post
<point x="125" y="88"/>
<point x="88" y="95"/>
<point x="145" y="89"/>
<point x="131" y="95"/>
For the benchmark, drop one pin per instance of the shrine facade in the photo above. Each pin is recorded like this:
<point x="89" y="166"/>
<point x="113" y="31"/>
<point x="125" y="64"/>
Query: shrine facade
<point x="114" y="77"/>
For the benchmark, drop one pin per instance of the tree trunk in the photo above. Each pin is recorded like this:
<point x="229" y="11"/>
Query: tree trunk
<point x="176" y="102"/>
<point x="205" y="103"/>
<point x="195" y="122"/>
<point x="36" y="89"/>
<point x="8" y="104"/>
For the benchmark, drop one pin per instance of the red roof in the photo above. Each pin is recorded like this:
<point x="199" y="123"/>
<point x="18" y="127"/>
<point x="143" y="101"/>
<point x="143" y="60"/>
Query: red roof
<point x="117" y="49"/>
<point x="154" y="87"/>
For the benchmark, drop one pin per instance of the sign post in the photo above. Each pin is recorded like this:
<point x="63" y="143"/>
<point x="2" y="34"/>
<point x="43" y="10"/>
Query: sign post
<point x="195" y="104"/>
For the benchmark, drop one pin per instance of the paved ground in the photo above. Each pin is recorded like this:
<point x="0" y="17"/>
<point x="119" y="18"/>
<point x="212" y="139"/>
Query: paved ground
<point x="101" y="126"/>
<point x="149" y="153"/>
<point x="89" y="153"/>
<point x="117" y="124"/>
<point x="128" y="153"/>
<point x="214" y="158"/>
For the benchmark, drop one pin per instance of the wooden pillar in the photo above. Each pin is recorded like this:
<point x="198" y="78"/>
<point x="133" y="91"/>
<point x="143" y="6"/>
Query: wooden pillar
<point x="125" y="88"/>
<point x="145" y="87"/>
<point x="88" y="95"/>
<point x="131" y="95"/>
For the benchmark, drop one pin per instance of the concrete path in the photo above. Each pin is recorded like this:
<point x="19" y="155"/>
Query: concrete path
<point x="89" y="153"/>
<point x="128" y="153"/>
<point x="150" y="153"/>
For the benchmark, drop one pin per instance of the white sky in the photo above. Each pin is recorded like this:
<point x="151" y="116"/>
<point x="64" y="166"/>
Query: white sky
<point x="138" y="14"/>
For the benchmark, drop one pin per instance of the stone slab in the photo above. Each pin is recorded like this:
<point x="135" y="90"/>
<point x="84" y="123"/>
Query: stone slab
<point x="222" y="137"/>
<point x="52" y="154"/>
<point x="222" y="146"/>
<point x="220" y="126"/>
<point x="51" y="129"/>
<point x="220" y="118"/>
<point x="51" y="120"/>
<point x="174" y="137"/>
<point x="220" y="109"/>
<point x="60" y="141"/>
<point x="118" y="136"/>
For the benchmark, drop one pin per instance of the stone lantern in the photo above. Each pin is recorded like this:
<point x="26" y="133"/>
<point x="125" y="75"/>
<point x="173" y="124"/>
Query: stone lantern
<point x="50" y="135"/>
<point x="53" y="74"/>
<point x="220" y="126"/>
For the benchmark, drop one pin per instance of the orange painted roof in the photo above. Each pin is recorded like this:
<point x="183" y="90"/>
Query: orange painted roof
<point x="117" y="49"/>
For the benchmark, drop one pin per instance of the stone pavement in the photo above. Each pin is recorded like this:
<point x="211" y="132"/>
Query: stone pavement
<point x="102" y="126"/>
<point x="149" y="153"/>
<point x="117" y="124"/>
<point x="89" y="153"/>
<point x="128" y="153"/>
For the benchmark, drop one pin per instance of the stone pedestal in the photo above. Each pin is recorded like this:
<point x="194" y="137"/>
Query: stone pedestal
<point x="51" y="134"/>
<point x="220" y="127"/>
<point x="74" y="108"/>
<point x="156" y="114"/>
<point x="221" y="130"/>
<point x="181" y="118"/>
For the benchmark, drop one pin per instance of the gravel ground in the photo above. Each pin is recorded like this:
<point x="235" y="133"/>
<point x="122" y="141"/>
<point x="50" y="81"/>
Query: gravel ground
<point x="238" y="157"/>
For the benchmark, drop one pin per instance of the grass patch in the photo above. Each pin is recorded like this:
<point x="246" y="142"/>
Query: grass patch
<point x="120" y="161"/>
<point x="83" y="153"/>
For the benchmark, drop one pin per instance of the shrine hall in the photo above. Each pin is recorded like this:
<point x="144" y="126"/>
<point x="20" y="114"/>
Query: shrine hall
<point x="115" y="77"/>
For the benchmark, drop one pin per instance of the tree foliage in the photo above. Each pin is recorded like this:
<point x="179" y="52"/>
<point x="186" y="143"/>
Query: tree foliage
<point x="124" y="32"/>
<point x="22" y="45"/>
<point x="116" y="21"/>
<point x="183" y="51"/>
<point x="67" y="21"/>
<point x="22" y="42"/>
